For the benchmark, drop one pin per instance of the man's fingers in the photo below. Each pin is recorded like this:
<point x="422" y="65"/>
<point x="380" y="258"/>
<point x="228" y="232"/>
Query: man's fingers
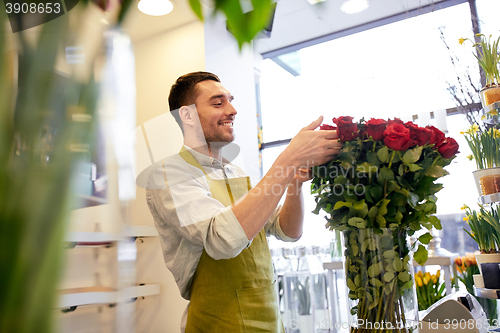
<point x="312" y="126"/>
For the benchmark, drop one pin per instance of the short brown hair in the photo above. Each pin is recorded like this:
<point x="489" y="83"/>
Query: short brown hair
<point x="183" y="92"/>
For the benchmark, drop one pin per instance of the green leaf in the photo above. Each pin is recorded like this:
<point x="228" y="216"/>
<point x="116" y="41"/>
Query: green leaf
<point x="372" y="245"/>
<point x="364" y="245"/>
<point x="388" y="288"/>
<point x="357" y="280"/>
<point x="357" y="222"/>
<point x="381" y="221"/>
<point x="366" y="168"/>
<point x="374" y="270"/>
<point x="425" y="238"/>
<point x="412" y="199"/>
<point x="412" y="155"/>
<point x="436" y="171"/>
<point x="436" y="223"/>
<point x="397" y="264"/>
<point x="372" y="158"/>
<point x="376" y="282"/>
<point x="388" y="277"/>
<point x="351" y="284"/>
<point x="383" y="154"/>
<point x="404" y="276"/>
<point x="414" y="167"/>
<point x="421" y="255"/>
<point x="386" y="173"/>
<point x="382" y="206"/>
<point x="399" y="217"/>
<point x="401" y="170"/>
<point x="196" y="7"/>
<point x="389" y="254"/>
<point x="373" y="212"/>
<point x="398" y="199"/>
<point x="340" y="204"/>
<point x="377" y="192"/>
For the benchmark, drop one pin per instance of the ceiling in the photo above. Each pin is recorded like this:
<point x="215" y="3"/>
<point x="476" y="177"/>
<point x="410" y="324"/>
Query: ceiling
<point x="296" y="21"/>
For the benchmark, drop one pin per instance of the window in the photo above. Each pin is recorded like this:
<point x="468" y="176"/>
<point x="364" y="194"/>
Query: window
<point x="397" y="70"/>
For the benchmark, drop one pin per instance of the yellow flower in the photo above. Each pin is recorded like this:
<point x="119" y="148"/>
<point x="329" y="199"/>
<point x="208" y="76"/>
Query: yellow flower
<point x="496" y="133"/>
<point x="438" y="274"/>
<point x="420" y="274"/>
<point x="474" y="128"/>
<point x="418" y="280"/>
<point x="493" y="113"/>
<point x="466" y="218"/>
<point x="464" y="207"/>
<point x="461" y="40"/>
<point x="469" y="157"/>
<point x="426" y="280"/>
<point x="462" y="132"/>
<point x="483" y="117"/>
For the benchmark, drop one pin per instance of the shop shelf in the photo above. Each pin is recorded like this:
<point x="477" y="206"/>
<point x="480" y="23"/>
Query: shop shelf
<point x="495" y="119"/>
<point x="82" y="201"/>
<point x="72" y="298"/>
<point x="487" y="293"/>
<point x="491" y="198"/>
<point x="103" y="238"/>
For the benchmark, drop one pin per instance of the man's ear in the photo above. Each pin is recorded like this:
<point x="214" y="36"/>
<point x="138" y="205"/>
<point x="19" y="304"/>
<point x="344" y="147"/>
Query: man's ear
<point x="186" y="115"/>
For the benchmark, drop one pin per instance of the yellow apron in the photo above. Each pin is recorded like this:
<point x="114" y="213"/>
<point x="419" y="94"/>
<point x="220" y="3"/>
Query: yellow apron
<point x="238" y="294"/>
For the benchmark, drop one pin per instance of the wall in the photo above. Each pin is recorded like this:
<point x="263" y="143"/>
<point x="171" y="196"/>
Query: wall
<point x="236" y="71"/>
<point x="159" y="61"/>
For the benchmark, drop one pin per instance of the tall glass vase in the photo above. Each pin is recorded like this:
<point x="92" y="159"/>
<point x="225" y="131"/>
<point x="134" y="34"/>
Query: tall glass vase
<point x="380" y="283"/>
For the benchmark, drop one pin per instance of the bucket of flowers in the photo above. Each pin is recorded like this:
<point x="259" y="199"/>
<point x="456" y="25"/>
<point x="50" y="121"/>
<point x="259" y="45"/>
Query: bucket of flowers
<point x="379" y="190"/>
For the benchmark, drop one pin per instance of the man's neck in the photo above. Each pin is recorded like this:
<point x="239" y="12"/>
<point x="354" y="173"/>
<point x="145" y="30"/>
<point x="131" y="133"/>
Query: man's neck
<point x="207" y="149"/>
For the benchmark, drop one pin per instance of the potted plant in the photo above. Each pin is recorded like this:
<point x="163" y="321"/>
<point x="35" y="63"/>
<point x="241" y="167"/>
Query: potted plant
<point x="467" y="269"/>
<point x="485" y="231"/>
<point x="485" y="147"/>
<point x="429" y="289"/>
<point x="488" y="58"/>
<point x="377" y="191"/>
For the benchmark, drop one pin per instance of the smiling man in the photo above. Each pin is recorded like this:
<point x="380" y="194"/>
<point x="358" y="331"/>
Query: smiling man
<point x="213" y="224"/>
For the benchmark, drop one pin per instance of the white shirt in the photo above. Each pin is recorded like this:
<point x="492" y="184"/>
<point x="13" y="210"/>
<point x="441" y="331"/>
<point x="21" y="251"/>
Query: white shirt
<point x="189" y="220"/>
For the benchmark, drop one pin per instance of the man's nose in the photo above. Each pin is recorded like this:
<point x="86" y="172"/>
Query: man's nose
<point x="231" y="110"/>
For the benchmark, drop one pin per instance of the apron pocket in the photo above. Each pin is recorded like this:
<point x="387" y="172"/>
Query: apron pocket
<point x="259" y="309"/>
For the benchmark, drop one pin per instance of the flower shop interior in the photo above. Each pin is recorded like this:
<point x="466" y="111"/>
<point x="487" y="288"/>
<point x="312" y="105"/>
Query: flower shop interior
<point x="415" y="60"/>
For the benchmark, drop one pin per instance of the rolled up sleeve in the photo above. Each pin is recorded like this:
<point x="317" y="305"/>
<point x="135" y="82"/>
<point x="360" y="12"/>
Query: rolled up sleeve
<point x="273" y="227"/>
<point x="183" y="200"/>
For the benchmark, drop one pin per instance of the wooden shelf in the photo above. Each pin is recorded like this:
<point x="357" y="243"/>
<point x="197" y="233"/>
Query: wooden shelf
<point x="103" y="238"/>
<point x="104" y="295"/>
<point x="82" y="201"/>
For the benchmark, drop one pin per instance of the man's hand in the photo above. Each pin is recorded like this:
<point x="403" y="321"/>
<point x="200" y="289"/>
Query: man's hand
<point x="310" y="148"/>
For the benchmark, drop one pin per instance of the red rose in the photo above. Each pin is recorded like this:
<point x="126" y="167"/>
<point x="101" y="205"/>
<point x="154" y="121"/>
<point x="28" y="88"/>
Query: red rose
<point x="449" y="148"/>
<point x="347" y="129"/>
<point x="327" y="127"/>
<point x="376" y="128"/>
<point x="437" y="137"/>
<point x="397" y="137"/>
<point x="421" y="134"/>
<point x="395" y="121"/>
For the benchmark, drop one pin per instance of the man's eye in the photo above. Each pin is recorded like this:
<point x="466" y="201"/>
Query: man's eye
<point x="218" y="104"/>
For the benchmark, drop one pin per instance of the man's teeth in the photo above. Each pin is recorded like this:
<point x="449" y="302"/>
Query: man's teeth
<point x="228" y="124"/>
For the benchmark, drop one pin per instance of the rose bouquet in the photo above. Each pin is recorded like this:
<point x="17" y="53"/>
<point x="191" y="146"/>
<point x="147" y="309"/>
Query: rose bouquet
<point x="378" y="190"/>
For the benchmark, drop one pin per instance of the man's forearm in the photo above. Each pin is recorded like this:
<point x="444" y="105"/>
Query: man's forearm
<point x="254" y="210"/>
<point x="292" y="214"/>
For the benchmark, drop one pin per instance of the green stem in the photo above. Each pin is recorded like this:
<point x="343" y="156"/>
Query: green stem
<point x="392" y="157"/>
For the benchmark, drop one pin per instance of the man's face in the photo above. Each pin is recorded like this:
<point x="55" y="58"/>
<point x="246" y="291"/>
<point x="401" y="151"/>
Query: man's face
<point x="215" y="111"/>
